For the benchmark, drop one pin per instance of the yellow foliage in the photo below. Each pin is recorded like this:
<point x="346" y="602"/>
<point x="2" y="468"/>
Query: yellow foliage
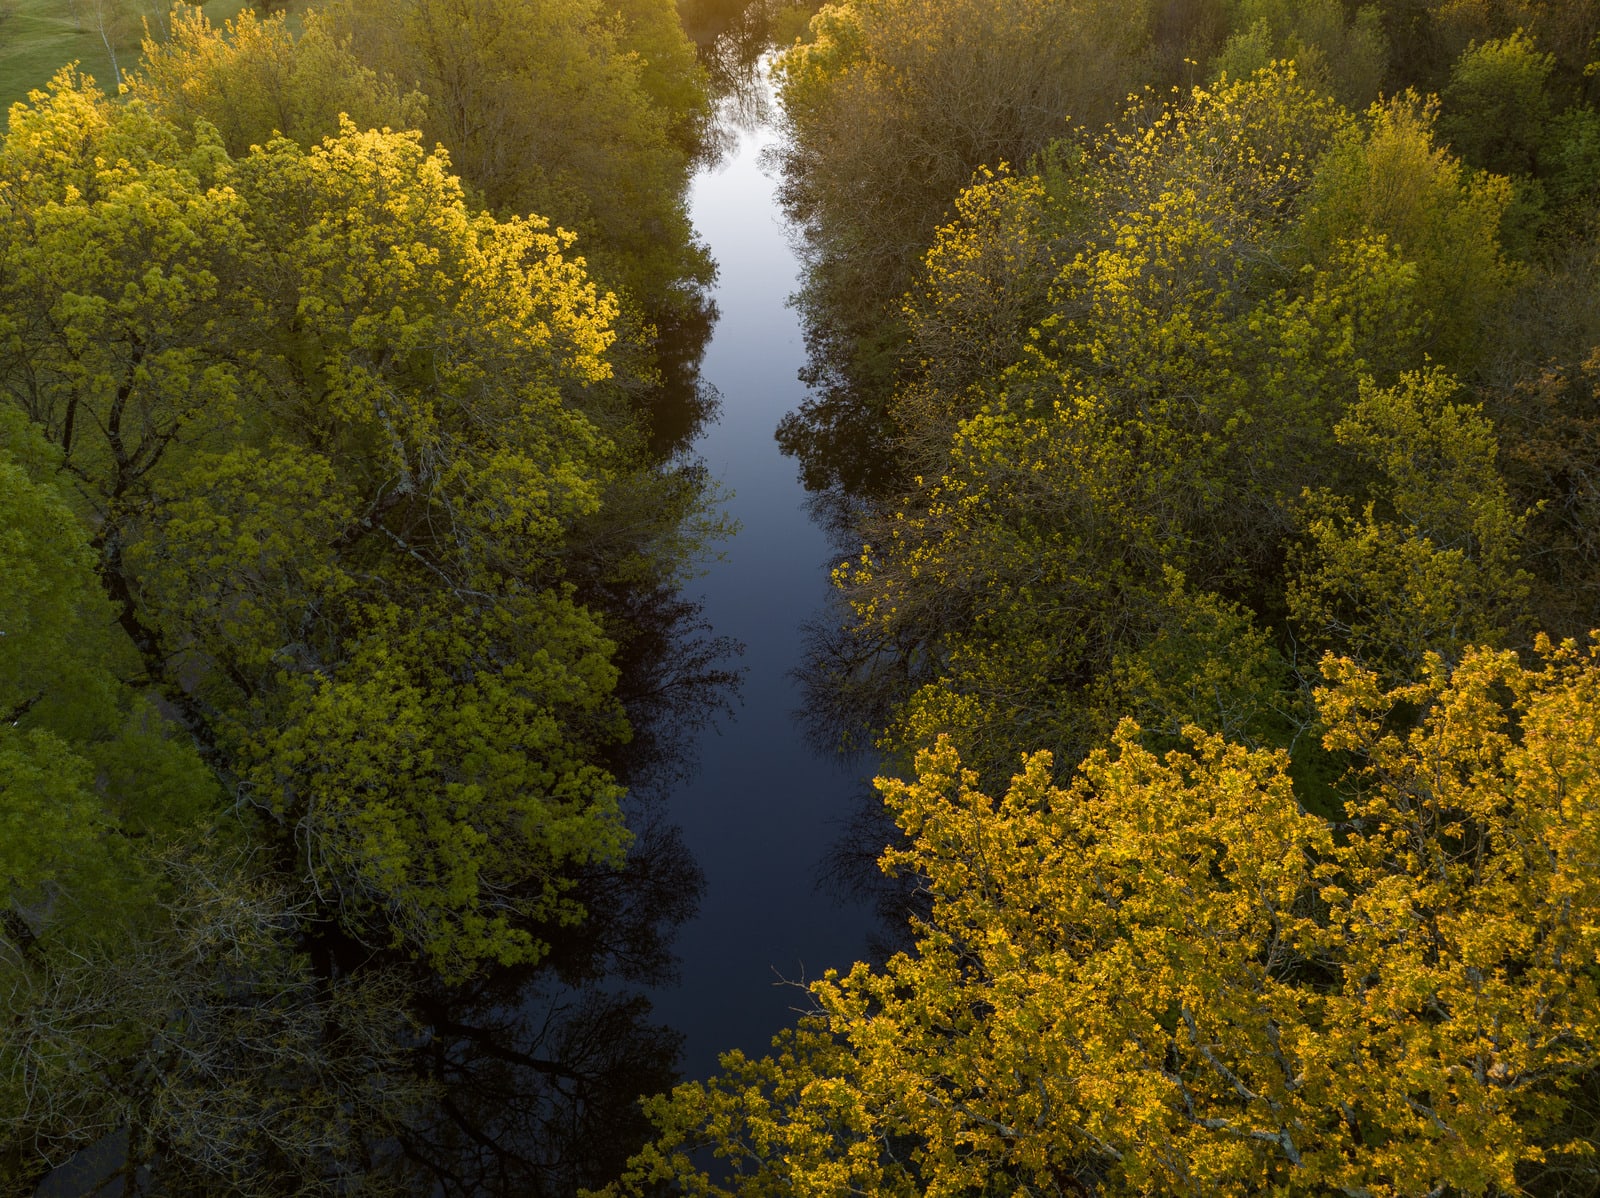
<point x="1167" y="978"/>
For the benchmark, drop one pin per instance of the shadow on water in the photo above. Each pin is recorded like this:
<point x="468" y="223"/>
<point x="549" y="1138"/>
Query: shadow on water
<point x="682" y="403"/>
<point x="834" y="438"/>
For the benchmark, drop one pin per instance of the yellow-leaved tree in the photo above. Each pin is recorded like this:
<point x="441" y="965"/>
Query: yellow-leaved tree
<point x="1168" y="977"/>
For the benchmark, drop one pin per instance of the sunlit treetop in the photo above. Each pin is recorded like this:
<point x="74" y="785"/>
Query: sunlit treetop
<point x="333" y="429"/>
<point x="1166" y="977"/>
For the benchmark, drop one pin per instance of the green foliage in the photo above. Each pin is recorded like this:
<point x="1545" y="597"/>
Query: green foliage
<point x="385" y="659"/>
<point x="327" y="500"/>
<point x="84" y="761"/>
<point x="1429" y="565"/>
<point x="1391" y="180"/>
<point x="1177" y="417"/>
<point x="1344" y="55"/>
<point x="1427" y="39"/>
<point x="60" y="642"/>
<point x="1497" y="107"/>
<point x="1204" y="664"/>
<point x="1569" y="161"/>
<point x="587" y="116"/>
<point x="305" y="452"/>
<point x="986" y="282"/>
<point x="254" y="80"/>
<point x="1549" y="424"/>
<point x="669" y="73"/>
<point x="94" y="786"/>
<point x="892" y="105"/>
<point x="313" y="479"/>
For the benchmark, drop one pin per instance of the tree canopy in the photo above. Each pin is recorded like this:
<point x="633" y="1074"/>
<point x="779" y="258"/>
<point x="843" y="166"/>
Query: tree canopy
<point x="1166" y="976"/>
<point x="1208" y="407"/>
<point x="1151" y="383"/>
<point x="324" y="476"/>
<point x="1261" y="416"/>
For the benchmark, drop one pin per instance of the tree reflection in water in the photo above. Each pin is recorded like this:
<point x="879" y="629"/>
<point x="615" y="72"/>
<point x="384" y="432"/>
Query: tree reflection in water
<point x="733" y="36"/>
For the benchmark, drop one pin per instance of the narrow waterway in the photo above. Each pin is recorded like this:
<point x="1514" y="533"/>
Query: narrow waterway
<point x="763" y="809"/>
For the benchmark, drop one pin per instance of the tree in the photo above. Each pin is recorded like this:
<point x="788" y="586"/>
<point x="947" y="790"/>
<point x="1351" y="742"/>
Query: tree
<point x="1392" y="179"/>
<point x="1430" y="563"/>
<point x="1496" y="108"/>
<point x="203" y="1038"/>
<point x="1430" y="36"/>
<point x="1346" y="56"/>
<point x="1551" y="438"/>
<point x="394" y="291"/>
<point x="548" y="106"/>
<point x="598" y="139"/>
<point x="591" y="117"/>
<point x="253" y="81"/>
<point x="112" y="22"/>
<point x="146" y="979"/>
<point x="1167" y="977"/>
<point x="338" y="455"/>
<point x="890" y="107"/>
<point x="1143" y="404"/>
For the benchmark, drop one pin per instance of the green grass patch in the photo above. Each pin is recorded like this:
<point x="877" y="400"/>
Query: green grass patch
<point x="38" y="37"/>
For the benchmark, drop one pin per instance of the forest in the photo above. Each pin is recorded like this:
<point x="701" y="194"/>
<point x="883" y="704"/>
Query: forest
<point x="1204" y="401"/>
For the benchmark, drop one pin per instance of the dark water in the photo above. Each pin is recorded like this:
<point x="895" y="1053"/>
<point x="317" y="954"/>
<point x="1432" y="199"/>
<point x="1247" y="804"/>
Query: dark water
<point x="763" y="810"/>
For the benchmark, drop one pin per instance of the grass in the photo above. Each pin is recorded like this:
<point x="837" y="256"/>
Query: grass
<point x="38" y="37"/>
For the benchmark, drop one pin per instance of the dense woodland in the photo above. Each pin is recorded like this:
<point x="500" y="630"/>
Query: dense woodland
<point x="1206" y="401"/>
<point x="344" y="652"/>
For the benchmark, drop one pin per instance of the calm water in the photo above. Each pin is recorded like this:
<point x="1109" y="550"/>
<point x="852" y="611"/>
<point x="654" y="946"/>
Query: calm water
<point x="763" y="810"/>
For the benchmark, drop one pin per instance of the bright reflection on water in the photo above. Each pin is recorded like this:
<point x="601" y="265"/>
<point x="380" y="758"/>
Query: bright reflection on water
<point x="763" y="810"/>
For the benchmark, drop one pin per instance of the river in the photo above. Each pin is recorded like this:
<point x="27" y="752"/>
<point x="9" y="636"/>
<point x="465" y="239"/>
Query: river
<point x="763" y="809"/>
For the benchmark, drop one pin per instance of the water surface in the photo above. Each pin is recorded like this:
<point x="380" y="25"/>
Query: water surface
<point x="763" y="810"/>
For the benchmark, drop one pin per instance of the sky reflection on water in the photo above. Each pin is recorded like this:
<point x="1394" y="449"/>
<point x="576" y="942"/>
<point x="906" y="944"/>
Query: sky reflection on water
<point x="763" y="810"/>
